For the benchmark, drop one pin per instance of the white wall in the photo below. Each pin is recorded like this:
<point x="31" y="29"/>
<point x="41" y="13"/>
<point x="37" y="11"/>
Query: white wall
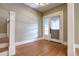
<point x="27" y="21"/>
<point x="3" y="20"/>
<point x="76" y="23"/>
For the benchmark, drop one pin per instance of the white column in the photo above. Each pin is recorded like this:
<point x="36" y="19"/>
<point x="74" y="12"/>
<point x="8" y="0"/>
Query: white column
<point x="12" y="33"/>
<point x="71" y="38"/>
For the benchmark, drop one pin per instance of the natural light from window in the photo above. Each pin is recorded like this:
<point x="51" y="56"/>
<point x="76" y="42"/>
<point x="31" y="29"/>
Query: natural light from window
<point x="46" y="25"/>
<point x="55" y="22"/>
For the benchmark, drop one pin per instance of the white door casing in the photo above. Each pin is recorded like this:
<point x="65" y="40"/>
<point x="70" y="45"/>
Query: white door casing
<point x="71" y="34"/>
<point x="12" y="33"/>
<point x="60" y="13"/>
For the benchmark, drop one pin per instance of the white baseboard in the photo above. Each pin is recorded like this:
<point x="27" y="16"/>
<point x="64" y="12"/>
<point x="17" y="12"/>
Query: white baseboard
<point x="76" y="45"/>
<point x="2" y="35"/>
<point x="52" y="40"/>
<point x="27" y="41"/>
<point x="33" y="40"/>
<point x="65" y="43"/>
<point x="5" y="53"/>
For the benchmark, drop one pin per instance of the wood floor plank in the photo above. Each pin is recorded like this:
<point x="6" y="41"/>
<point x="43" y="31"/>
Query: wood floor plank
<point x="77" y="51"/>
<point x="41" y="48"/>
<point x="3" y="49"/>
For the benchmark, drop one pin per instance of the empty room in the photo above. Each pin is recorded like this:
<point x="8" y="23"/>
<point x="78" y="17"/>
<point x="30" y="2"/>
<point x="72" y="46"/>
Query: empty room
<point x="35" y="29"/>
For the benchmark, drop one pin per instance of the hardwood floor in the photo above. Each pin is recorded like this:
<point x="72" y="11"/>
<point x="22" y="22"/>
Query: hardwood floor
<point x="41" y="48"/>
<point x="77" y="51"/>
<point x="4" y="44"/>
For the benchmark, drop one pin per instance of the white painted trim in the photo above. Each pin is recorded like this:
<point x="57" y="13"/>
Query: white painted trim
<point x="27" y="41"/>
<point x="41" y="38"/>
<point x="65" y="43"/>
<point x="12" y="33"/>
<point x="3" y="45"/>
<point x="5" y="53"/>
<point x="24" y="42"/>
<point x="71" y="29"/>
<point x="60" y="13"/>
<point x="2" y="35"/>
<point x="55" y="40"/>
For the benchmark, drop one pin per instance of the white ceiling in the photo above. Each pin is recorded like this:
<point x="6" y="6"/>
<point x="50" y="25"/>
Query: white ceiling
<point x="43" y="8"/>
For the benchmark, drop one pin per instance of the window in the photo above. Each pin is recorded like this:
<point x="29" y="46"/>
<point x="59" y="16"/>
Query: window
<point x="55" y="22"/>
<point x="46" y="25"/>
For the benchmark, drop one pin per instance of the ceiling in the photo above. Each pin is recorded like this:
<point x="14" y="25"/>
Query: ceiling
<point x="43" y="8"/>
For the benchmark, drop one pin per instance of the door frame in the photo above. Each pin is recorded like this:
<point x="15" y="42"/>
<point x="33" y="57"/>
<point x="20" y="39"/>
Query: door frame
<point x="11" y="33"/>
<point x="71" y="30"/>
<point x="60" y="13"/>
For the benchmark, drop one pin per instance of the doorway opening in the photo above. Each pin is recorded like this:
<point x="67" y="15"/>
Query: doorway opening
<point x="53" y="27"/>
